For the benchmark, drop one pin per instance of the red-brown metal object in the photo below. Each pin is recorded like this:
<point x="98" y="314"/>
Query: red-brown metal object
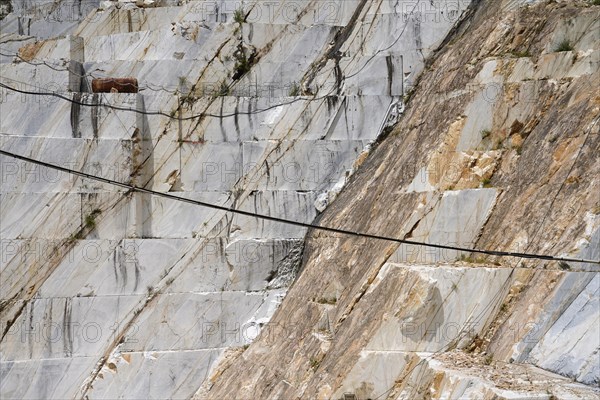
<point x="111" y="85"/>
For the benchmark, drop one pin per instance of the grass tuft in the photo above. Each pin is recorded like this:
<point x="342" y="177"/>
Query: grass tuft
<point x="564" y="45"/>
<point x="239" y="16"/>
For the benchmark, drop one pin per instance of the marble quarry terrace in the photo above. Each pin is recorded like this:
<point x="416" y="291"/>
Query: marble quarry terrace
<point x="300" y="199"/>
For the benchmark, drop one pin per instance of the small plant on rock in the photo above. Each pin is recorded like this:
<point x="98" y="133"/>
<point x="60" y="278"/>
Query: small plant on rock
<point x="520" y="54"/>
<point x="239" y="16"/>
<point x="314" y="363"/>
<point x="294" y="90"/>
<point x="564" y="45"/>
<point x="90" y="220"/>
<point x="242" y="65"/>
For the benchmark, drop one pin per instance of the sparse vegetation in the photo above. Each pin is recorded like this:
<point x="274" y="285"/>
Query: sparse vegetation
<point x="314" y="363"/>
<point x="90" y="220"/>
<point x="485" y="133"/>
<point x="467" y="258"/>
<point x="242" y="65"/>
<point x="223" y="89"/>
<point x="564" y="266"/>
<point x="294" y="90"/>
<point x="518" y="148"/>
<point x="189" y="100"/>
<point x="408" y="95"/>
<point x="239" y="16"/>
<point x="520" y="54"/>
<point x="323" y="300"/>
<point x="75" y="236"/>
<point x="498" y="144"/>
<point x="564" y="45"/>
<point x="595" y="2"/>
<point x="486" y="182"/>
<point x="488" y="360"/>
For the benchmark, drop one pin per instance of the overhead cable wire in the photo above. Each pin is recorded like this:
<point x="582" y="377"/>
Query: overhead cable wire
<point x="294" y="222"/>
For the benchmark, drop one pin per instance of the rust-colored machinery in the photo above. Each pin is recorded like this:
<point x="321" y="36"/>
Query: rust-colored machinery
<point x="115" y="85"/>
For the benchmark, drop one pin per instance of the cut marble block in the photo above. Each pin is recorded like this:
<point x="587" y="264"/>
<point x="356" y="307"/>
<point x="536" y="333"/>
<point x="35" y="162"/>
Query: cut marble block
<point x="39" y="209"/>
<point x="109" y="159"/>
<point x="108" y="22"/>
<point x="290" y="205"/>
<point x="244" y="265"/>
<point x="199" y="167"/>
<point x="569" y="346"/>
<point x="163" y="44"/>
<point x="479" y="117"/>
<point x="152" y="75"/>
<point x="112" y="268"/>
<point x="41" y="29"/>
<point x="46" y="19"/>
<point x="380" y="75"/>
<point x="346" y="118"/>
<point x="159" y="217"/>
<point x="288" y="13"/>
<point x="302" y="165"/>
<point x="435" y="308"/>
<point x="63" y="215"/>
<point x="277" y="77"/>
<point x="404" y="30"/>
<point x="377" y="75"/>
<point x="50" y="378"/>
<point x="332" y="118"/>
<point x="27" y="77"/>
<point x="70" y="48"/>
<point x="155" y="375"/>
<point x="30" y="255"/>
<point x="94" y="118"/>
<point x="294" y="43"/>
<point x="454" y="221"/>
<point x="193" y="321"/>
<point x="66" y="327"/>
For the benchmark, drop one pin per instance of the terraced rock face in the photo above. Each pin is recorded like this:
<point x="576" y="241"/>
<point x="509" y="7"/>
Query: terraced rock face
<point x="497" y="149"/>
<point x="268" y="108"/>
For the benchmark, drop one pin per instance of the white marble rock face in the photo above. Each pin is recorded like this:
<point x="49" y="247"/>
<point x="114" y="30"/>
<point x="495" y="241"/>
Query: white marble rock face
<point x="112" y="294"/>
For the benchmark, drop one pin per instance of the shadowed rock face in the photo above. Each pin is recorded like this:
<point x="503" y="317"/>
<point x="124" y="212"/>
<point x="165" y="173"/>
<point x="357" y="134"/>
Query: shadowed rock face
<point x="107" y="293"/>
<point x="497" y="149"/>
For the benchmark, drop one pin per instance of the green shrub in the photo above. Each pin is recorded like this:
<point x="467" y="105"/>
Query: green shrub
<point x="90" y="220"/>
<point x="239" y="16"/>
<point x="520" y="54"/>
<point x="294" y="90"/>
<point x="564" y="45"/>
